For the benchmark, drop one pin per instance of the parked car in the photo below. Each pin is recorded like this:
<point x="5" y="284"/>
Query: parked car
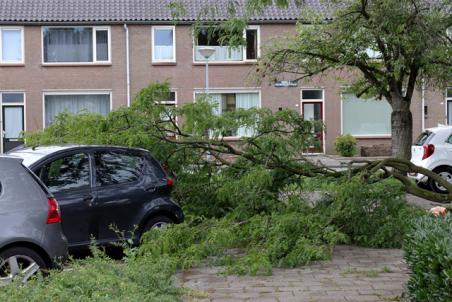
<point x="104" y="189"/>
<point x="31" y="238"/>
<point x="433" y="150"/>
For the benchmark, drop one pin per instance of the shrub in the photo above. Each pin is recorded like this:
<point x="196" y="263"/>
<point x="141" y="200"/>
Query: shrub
<point x="346" y="145"/>
<point x="428" y="251"/>
<point x="289" y="238"/>
<point x="372" y="215"/>
<point x="100" y="278"/>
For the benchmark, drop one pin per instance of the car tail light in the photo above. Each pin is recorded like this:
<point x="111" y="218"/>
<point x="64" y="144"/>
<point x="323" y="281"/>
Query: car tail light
<point x="428" y="151"/>
<point x="170" y="183"/>
<point x="53" y="215"/>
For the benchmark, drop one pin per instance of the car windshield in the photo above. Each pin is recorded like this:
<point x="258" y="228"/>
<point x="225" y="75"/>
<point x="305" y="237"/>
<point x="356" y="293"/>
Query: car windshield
<point x="423" y="138"/>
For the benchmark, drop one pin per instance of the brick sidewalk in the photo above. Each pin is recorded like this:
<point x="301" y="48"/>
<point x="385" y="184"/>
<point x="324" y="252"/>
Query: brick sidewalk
<point x="354" y="274"/>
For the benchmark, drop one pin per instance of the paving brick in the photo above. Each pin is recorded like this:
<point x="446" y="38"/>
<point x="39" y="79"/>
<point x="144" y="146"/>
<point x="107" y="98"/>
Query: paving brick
<point x="348" y="277"/>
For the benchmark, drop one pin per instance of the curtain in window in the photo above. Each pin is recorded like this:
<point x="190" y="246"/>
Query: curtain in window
<point x="365" y="117"/>
<point x="163" y="44"/>
<point x="246" y="101"/>
<point x="56" y="104"/>
<point x="216" y="100"/>
<point x="68" y="44"/>
<point x="11" y="45"/>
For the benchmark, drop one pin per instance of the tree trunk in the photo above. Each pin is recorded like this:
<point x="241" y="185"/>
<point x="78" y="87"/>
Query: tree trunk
<point x="401" y="129"/>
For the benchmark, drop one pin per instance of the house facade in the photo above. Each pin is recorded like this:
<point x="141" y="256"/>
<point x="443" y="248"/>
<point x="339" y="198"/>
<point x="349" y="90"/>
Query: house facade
<point x="96" y="55"/>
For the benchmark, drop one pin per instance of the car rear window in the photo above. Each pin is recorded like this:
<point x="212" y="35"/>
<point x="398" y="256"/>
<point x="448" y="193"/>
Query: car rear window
<point x="424" y="138"/>
<point x="38" y="180"/>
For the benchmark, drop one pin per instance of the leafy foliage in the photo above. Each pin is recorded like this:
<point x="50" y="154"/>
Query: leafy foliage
<point x="346" y="145"/>
<point x="294" y="236"/>
<point x="390" y="53"/>
<point x="100" y="278"/>
<point x="374" y="215"/>
<point x="428" y="251"/>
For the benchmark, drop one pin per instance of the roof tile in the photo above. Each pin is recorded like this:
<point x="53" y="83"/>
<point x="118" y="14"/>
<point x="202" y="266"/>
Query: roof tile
<point x="29" y="11"/>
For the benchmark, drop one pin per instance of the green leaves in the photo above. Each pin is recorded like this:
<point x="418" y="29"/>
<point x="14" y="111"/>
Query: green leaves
<point x="428" y="251"/>
<point x="409" y="42"/>
<point x="286" y="238"/>
<point x="345" y="145"/>
<point x="372" y="215"/>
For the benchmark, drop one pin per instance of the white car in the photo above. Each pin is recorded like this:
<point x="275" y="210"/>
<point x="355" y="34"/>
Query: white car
<point x="433" y="150"/>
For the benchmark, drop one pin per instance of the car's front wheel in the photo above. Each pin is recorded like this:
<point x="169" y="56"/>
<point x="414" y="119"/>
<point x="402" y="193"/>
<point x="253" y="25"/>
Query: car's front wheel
<point x="157" y="222"/>
<point x="446" y="173"/>
<point x="19" y="263"/>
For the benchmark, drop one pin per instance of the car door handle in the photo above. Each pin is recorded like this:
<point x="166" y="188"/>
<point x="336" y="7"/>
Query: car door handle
<point x="150" y="189"/>
<point x="89" y="199"/>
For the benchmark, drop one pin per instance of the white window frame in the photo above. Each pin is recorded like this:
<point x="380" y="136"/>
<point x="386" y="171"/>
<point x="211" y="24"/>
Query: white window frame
<point x="447" y="100"/>
<point x="321" y="101"/>
<point x="258" y="53"/>
<point x="359" y="135"/>
<point x="24" y="105"/>
<point x="229" y="91"/>
<point x="171" y="103"/>
<point x="244" y="59"/>
<point x="73" y="92"/>
<point x="6" y="28"/>
<point x="173" y="28"/>
<point x="94" y="62"/>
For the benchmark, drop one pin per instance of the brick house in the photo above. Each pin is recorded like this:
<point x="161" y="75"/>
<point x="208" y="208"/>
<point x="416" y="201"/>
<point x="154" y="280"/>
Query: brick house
<point x="96" y="55"/>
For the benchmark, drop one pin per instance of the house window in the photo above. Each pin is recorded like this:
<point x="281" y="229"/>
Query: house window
<point x="252" y="43"/>
<point x="223" y="53"/>
<point x="366" y="117"/>
<point x="76" y="44"/>
<point x="168" y="114"/>
<point x="11" y="45"/>
<point x="312" y="94"/>
<point x="231" y="101"/>
<point x="12" y="98"/>
<point x="449" y="105"/>
<point x="56" y="103"/>
<point x="163" y="44"/>
<point x="169" y="104"/>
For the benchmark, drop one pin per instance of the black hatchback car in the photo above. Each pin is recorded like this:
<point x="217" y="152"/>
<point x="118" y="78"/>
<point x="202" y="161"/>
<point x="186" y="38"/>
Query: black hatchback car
<point x="101" y="189"/>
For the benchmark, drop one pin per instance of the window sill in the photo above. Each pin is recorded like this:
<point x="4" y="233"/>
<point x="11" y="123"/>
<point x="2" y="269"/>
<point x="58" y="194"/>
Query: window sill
<point x="231" y="138"/>
<point x="12" y="64"/>
<point x="164" y="63"/>
<point x="387" y="136"/>
<point x="201" y="63"/>
<point x="75" y="64"/>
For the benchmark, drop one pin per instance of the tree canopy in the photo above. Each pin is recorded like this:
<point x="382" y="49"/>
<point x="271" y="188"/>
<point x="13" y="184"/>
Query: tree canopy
<point x="392" y="46"/>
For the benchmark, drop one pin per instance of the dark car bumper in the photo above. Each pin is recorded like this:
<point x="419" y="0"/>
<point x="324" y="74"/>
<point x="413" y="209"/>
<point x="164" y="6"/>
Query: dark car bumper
<point x="55" y="244"/>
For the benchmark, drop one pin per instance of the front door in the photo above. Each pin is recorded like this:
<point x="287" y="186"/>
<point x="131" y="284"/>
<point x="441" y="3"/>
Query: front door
<point x="13" y="126"/>
<point x="313" y="111"/>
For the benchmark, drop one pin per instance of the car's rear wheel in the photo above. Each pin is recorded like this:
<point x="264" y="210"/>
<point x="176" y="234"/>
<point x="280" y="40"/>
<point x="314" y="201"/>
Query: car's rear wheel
<point x="157" y="223"/>
<point x="19" y="263"/>
<point x="446" y="173"/>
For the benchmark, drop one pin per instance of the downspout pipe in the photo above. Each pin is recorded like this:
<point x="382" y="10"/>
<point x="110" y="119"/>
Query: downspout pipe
<point x="126" y="29"/>
<point x="423" y="104"/>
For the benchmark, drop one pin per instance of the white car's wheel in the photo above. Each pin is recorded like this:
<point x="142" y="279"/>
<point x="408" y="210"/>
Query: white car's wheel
<point x="444" y="172"/>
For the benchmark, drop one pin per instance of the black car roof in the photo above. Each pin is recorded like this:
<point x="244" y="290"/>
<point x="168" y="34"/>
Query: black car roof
<point x="31" y="155"/>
